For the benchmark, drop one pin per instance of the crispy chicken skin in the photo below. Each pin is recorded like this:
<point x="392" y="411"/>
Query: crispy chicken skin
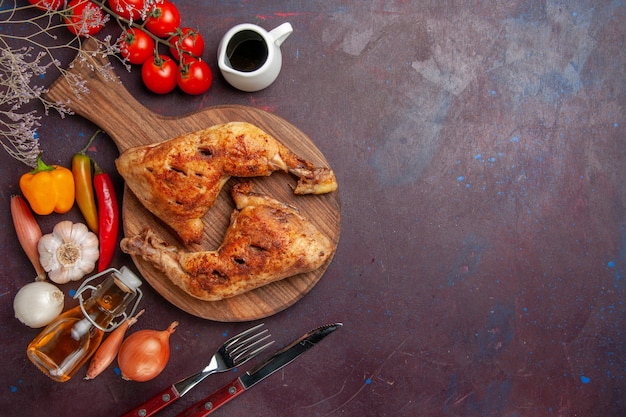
<point x="179" y="180"/>
<point x="266" y="241"/>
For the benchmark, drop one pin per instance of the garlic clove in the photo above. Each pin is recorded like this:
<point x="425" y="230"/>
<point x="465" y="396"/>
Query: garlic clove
<point x="63" y="230"/>
<point x="47" y="247"/>
<point x="79" y="233"/>
<point x="59" y="275"/>
<point x="75" y="273"/>
<point x="84" y="267"/>
<point x="90" y="253"/>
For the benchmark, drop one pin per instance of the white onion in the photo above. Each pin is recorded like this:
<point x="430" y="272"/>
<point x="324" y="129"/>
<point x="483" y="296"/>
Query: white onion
<point x="38" y="303"/>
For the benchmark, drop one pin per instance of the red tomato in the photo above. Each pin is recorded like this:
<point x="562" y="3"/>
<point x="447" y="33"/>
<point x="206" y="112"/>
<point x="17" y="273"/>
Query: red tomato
<point x="187" y="40"/>
<point x="194" y="76"/>
<point x="163" y="19"/>
<point x="84" y="17"/>
<point x="136" y="46"/>
<point x="128" y="9"/>
<point x="159" y="74"/>
<point x="47" y="4"/>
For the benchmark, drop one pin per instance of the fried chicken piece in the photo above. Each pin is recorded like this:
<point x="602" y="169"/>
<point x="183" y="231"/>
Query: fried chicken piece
<point x="266" y="241"/>
<point x="179" y="180"/>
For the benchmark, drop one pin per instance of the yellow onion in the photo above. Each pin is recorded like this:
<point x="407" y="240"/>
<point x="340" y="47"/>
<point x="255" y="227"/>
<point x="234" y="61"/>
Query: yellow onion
<point x="145" y="353"/>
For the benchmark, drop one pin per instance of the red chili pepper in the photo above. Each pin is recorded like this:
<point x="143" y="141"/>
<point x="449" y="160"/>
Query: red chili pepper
<point x="108" y="216"/>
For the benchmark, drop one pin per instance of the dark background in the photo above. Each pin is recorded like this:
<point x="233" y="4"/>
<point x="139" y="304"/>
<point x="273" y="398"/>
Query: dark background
<point x="480" y="152"/>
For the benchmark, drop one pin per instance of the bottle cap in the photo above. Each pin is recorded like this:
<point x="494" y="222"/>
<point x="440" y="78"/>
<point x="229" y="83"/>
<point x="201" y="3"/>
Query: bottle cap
<point x="129" y="278"/>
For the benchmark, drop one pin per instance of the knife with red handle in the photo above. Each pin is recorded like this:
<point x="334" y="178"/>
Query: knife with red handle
<point x="277" y="361"/>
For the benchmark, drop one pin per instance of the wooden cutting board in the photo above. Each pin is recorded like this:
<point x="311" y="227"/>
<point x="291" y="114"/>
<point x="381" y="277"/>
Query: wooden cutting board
<point x="110" y="106"/>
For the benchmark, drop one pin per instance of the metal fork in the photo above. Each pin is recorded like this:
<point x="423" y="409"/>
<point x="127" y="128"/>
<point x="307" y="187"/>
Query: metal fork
<point x="234" y="352"/>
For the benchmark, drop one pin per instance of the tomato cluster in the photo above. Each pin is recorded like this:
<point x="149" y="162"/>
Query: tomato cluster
<point x="160" y="72"/>
<point x="148" y="26"/>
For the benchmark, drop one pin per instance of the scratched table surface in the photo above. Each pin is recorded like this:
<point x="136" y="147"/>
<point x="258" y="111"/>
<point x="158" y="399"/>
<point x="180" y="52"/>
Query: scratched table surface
<point x="481" y="270"/>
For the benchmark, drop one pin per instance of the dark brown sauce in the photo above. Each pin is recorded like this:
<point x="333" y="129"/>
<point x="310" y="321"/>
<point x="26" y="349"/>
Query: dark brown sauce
<point x="247" y="54"/>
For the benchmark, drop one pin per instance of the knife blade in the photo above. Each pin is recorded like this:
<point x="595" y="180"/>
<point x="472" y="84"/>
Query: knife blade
<point x="277" y="361"/>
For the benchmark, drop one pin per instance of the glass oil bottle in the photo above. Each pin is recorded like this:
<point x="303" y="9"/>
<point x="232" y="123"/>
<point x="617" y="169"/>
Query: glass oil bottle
<point x="67" y="343"/>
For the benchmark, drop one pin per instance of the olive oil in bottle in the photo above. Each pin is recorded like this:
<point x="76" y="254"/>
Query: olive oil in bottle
<point x="67" y="343"/>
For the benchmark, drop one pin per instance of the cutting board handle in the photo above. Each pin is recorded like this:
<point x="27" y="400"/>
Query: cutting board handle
<point x="104" y="100"/>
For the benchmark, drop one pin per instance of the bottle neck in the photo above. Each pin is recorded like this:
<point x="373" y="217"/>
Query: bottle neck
<point x="108" y="301"/>
<point x="97" y="313"/>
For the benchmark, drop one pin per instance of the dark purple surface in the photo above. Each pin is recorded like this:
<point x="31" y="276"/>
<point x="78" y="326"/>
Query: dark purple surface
<point x="480" y="154"/>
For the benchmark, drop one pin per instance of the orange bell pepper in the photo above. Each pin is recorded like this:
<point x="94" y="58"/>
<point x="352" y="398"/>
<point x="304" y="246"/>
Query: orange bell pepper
<point x="48" y="188"/>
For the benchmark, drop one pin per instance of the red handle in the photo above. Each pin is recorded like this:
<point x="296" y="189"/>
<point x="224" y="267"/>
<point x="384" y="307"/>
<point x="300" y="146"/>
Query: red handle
<point x="154" y="404"/>
<point x="215" y="400"/>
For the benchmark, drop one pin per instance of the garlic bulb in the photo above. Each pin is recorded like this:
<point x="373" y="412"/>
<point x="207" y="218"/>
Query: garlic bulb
<point x="68" y="253"/>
